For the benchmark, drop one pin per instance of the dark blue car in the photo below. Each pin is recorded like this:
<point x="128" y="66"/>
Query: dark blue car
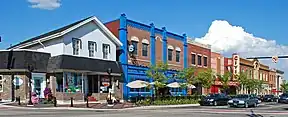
<point x="283" y="98"/>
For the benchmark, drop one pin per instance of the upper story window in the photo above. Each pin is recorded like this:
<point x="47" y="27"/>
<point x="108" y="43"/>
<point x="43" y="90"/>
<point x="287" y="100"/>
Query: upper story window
<point x="177" y="56"/>
<point x="205" y="60"/>
<point x="135" y="45"/>
<point x="92" y="48"/>
<point x="199" y="59"/>
<point x="106" y="51"/>
<point x="193" y="59"/>
<point x="1" y="83"/>
<point x="144" y="49"/>
<point x="77" y="45"/>
<point x="170" y="51"/>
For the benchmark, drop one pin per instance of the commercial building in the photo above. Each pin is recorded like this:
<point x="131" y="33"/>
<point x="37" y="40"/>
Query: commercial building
<point x="279" y="82"/>
<point x="74" y="60"/>
<point x="255" y="70"/>
<point x="150" y="45"/>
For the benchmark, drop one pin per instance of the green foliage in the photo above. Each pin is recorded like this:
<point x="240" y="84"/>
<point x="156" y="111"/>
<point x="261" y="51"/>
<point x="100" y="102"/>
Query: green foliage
<point x="205" y="78"/>
<point x="156" y="72"/>
<point x="224" y="79"/>
<point x="169" y="101"/>
<point x="187" y="74"/>
<point x="284" y="86"/>
<point x="243" y="78"/>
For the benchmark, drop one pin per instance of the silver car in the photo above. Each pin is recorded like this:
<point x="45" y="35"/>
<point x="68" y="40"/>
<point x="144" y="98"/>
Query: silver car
<point x="244" y="100"/>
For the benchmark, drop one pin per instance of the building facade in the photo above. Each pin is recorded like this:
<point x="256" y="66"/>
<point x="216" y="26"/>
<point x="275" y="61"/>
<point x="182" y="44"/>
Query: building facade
<point x="255" y="70"/>
<point x="145" y="45"/>
<point x="75" y="60"/>
<point x="279" y="81"/>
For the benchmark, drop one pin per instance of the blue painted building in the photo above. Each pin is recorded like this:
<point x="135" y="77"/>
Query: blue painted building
<point x="145" y="45"/>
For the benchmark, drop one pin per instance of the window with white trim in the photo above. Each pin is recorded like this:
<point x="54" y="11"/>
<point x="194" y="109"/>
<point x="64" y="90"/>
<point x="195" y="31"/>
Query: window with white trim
<point x="193" y="59"/>
<point x="106" y="51"/>
<point x="77" y="45"/>
<point x="170" y="54"/>
<point x="144" y="49"/>
<point x="92" y="48"/>
<point x="205" y="60"/>
<point x="135" y="45"/>
<point x="1" y="83"/>
<point x="199" y="59"/>
<point x="177" y="56"/>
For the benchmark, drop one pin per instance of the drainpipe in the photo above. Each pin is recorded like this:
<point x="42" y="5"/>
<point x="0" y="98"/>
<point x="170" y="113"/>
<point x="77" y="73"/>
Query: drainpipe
<point x="41" y="43"/>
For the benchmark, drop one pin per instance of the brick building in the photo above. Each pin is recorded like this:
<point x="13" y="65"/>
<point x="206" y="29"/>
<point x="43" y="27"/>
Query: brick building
<point x="254" y="69"/>
<point x="150" y="45"/>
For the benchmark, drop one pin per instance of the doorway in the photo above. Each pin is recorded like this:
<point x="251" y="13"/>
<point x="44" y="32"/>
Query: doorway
<point x="39" y="84"/>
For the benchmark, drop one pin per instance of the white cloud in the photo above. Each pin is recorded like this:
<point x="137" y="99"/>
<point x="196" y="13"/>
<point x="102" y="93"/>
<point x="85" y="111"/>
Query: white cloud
<point x="45" y="4"/>
<point x="228" y="39"/>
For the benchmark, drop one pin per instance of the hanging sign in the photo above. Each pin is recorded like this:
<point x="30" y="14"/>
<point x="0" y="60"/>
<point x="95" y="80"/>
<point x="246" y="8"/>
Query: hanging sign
<point x="17" y="81"/>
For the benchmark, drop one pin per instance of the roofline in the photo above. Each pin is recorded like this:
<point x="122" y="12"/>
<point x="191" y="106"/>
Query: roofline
<point x="59" y="34"/>
<point x="169" y="34"/>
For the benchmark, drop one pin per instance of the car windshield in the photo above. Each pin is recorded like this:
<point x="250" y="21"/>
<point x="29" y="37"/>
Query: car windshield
<point x="241" y="96"/>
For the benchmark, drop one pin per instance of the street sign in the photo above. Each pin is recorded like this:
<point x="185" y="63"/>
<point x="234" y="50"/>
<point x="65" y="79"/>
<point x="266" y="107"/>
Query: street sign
<point x="275" y="59"/>
<point x="17" y="81"/>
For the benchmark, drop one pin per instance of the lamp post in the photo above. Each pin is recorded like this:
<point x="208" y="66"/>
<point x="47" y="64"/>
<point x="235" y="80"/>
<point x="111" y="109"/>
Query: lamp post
<point x="31" y="69"/>
<point x="109" y="70"/>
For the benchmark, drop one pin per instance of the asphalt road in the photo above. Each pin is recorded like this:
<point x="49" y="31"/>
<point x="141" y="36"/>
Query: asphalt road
<point x="266" y="110"/>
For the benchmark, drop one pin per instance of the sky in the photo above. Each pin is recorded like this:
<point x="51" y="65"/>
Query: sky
<point x="248" y="27"/>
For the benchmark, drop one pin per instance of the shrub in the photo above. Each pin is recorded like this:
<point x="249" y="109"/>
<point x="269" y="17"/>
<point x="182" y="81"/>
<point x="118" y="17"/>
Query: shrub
<point x="168" y="100"/>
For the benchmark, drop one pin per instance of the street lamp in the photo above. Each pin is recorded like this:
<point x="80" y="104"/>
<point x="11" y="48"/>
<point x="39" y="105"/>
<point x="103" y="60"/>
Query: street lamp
<point x="31" y="69"/>
<point x="109" y="71"/>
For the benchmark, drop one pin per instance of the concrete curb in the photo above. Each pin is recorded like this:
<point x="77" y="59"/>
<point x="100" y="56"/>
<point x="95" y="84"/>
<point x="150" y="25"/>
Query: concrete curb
<point x="92" y="109"/>
<point x="164" y="106"/>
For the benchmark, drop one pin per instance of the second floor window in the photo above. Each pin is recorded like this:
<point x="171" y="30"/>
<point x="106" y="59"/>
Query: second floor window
<point x="170" y="51"/>
<point x="177" y="56"/>
<point x="77" y="45"/>
<point x="205" y="60"/>
<point x="199" y="59"/>
<point x="135" y="45"/>
<point x="193" y="57"/>
<point x="106" y="51"/>
<point x="92" y="47"/>
<point x="144" y="49"/>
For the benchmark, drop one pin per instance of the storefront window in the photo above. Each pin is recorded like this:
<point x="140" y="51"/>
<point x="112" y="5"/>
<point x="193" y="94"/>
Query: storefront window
<point x="73" y="82"/>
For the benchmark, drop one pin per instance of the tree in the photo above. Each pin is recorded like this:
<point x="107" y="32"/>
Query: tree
<point x="224" y="79"/>
<point x="251" y="85"/>
<point x="205" y="78"/>
<point x="259" y="85"/>
<point x="187" y="74"/>
<point x="242" y="78"/>
<point x="157" y="73"/>
<point x="284" y="87"/>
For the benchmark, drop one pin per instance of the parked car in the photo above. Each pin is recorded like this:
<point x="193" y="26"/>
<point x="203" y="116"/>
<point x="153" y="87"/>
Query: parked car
<point x="214" y="99"/>
<point x="244" y="100"/>
<point x="270" y="98"/>
<point x="283" y="98"/>
<point x="260" y="97"/>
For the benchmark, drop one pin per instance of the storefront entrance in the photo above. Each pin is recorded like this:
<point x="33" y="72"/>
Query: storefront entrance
<point x="39" y="84"/>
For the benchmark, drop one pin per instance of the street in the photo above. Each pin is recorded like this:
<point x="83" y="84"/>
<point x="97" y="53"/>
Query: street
<point x="266" y="110"/>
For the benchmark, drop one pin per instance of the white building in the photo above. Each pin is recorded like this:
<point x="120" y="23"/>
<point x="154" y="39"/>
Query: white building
<point x="279" y="81"/>
<point x="80" y="55"/>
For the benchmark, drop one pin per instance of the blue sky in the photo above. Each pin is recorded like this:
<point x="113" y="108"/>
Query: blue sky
<point x="266" y="19"/>
<point x="248" y="27"/>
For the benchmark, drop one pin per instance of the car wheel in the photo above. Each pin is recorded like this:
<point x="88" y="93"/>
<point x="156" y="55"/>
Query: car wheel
<point x="215" y="103"/>
<point x="246" y="105"/>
